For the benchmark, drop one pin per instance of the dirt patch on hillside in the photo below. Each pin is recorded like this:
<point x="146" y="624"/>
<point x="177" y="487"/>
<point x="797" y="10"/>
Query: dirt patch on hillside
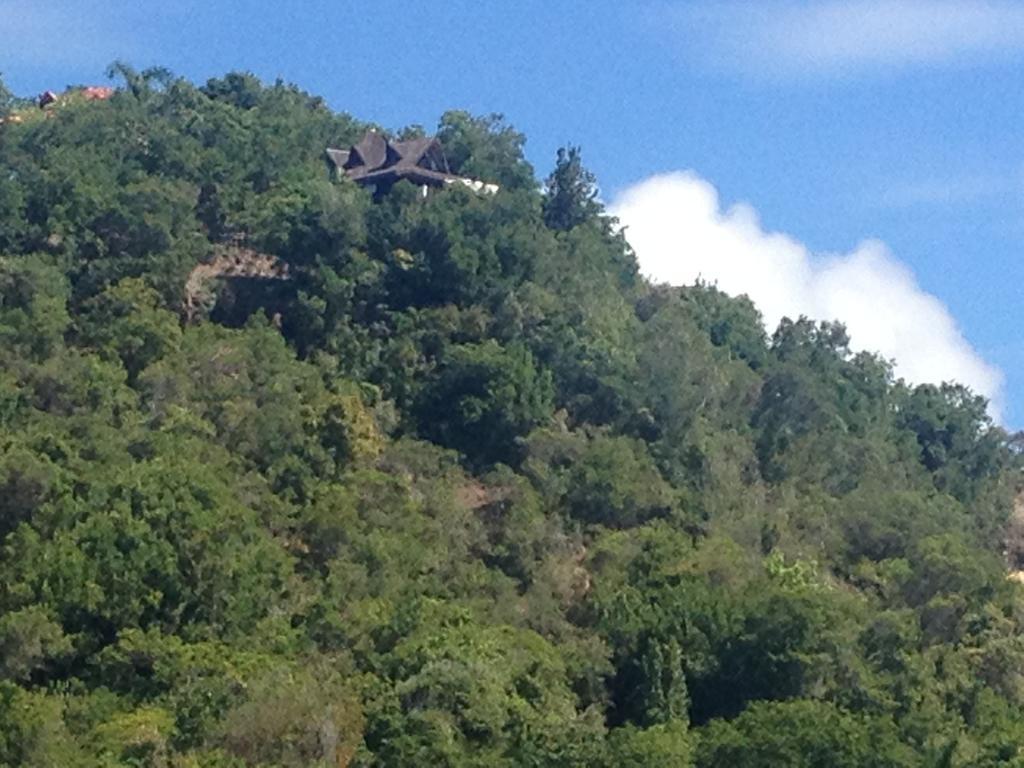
<point x="229" y="261"/>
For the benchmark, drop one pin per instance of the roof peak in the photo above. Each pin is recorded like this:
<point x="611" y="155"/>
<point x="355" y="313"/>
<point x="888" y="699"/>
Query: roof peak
<point x="375" y="159"/>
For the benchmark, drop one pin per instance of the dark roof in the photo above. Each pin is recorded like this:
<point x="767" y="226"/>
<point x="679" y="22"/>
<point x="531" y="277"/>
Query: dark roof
<point x="338" y="156"/>
<point x="413" y="147"/>
<point x="370" y="152"/>
<point x="413" y="173"/>
<point x="374" y="158"/>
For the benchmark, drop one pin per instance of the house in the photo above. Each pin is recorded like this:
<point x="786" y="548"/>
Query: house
<point x="97" y="92"/>
<point x="73" y="95"/>
<point x="377" y="163"/>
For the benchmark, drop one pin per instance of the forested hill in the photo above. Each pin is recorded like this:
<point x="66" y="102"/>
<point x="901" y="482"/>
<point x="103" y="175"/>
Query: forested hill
<point x="447" y="483"/>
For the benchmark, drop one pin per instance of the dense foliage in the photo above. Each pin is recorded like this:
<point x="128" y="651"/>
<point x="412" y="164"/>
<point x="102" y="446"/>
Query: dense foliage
<point x="465" y="490"/>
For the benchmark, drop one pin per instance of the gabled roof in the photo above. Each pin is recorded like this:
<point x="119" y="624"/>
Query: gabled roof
<point x="338" y="157"/>
<point x="424" y="152"/>
<point x="374" y="157"/>
<point x="371" y="152"/>
<point x="375" y="160"/>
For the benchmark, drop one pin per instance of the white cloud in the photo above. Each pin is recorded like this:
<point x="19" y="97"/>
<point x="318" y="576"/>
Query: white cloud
<point x="840" y="35"/>
<point x="680" y="233"/>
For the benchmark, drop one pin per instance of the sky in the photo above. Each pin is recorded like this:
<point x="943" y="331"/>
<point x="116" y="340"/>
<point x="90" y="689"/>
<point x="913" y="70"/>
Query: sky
<point x="858" y="160"/>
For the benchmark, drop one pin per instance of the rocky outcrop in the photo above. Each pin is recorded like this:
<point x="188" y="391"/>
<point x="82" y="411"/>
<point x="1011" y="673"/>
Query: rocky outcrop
<point x="229" y="262"/>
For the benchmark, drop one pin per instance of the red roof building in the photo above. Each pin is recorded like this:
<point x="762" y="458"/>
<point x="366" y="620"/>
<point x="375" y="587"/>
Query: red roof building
<point x="97" y="93"/>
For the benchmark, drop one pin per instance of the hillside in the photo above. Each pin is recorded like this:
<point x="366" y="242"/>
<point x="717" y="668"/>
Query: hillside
<point x="293" y="475"/>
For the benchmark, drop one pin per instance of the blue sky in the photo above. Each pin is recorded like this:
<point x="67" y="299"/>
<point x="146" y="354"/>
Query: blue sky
<point x="866" y="144"/>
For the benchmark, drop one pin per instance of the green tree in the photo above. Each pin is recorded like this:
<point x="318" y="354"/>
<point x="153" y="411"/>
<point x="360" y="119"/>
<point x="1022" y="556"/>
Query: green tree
<point x="802" y="734"/>
<point x="483" y="397"/>
<point x="294" y="717"/>
<point x="600" y="479"/>
<point x="6" y="99"/>
<point x="33" y="732"/>
<point x="485" y="148"/>
<point x="127" y="320"/>
<point x="959" y="444"/>
<point x="29" y="642"/>
<point x="140" y="84"/>
<point x="570" y="192"/>
<point x="660" y="746"/>
<point x="464" y="488"/>
<point x="33" y="305"/>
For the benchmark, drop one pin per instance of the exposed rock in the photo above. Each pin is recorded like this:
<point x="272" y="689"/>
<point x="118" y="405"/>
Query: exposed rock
<point x="229" y="261"/>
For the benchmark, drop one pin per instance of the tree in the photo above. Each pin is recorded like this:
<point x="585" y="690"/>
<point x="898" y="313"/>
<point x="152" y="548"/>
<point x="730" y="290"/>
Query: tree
<point x="127" y="321"/>
<point x="484" y="397"/>
<point x="240" y="89"/>
<point x="570" y="193"/>
<point x="485" y="148"/>
<point x="733" y="323"/>
<point x="661" y="696"/>
<point x="33" y="305"/>
<point x="29" y="641"/>
<point x="480" y="695"/>
<point x="140" y="84"/>
<point x="802" y="734"/>
<point x="6" y="99"/>
<point x="294" y="717"/>
<point x="601" y="480"/>
<point x="959" y="444"/>
<point x="660" y="746"/>
<point x="33" y="731"/>
<point x="464" y="488"/>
